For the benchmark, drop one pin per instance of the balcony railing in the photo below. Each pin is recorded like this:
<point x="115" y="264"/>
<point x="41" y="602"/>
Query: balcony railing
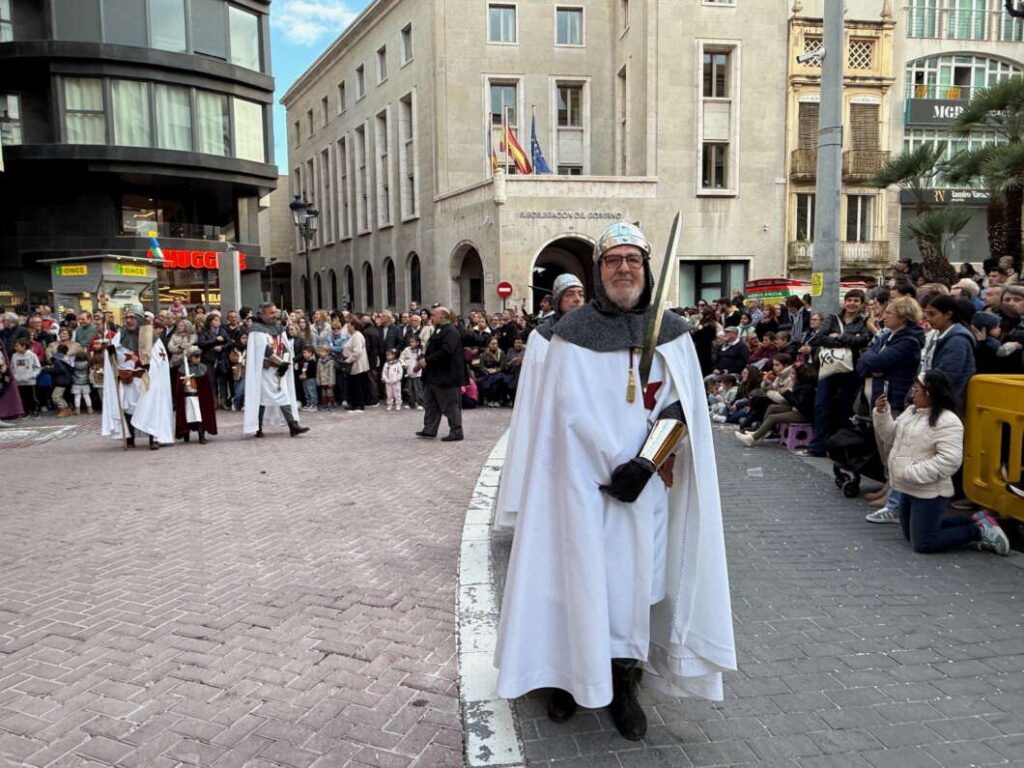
<point x="948" y="92"/>
<point x="860" y="164"/>
<point x="870" y="255"/>
<point x="994" y="25"/>
<point x="803" y="165"/>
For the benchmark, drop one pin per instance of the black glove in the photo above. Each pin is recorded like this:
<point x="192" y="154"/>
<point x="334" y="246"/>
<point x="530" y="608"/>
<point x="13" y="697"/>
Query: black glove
<point x="282" y="369"/>
<point x="629" y="479"/>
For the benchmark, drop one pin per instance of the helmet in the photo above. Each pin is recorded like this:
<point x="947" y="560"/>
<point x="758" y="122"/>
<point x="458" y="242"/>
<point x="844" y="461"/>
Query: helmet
<point x="562" y="284"/>
<point x="622" y="233"/>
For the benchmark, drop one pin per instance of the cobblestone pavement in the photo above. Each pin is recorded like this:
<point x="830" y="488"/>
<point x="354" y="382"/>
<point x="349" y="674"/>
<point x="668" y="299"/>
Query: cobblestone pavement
<point x="852" y="650"/>
<point x="269" y="602"/>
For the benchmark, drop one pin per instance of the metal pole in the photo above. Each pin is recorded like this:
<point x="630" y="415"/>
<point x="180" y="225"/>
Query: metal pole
<point x="828" y="194"/>
<point x="308" y="298"/>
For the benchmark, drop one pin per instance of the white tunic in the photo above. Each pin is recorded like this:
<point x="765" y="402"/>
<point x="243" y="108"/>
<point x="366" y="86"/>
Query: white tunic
<point x="591" y="578"/>
<point x="263" y="386"/>
<point x="146" y="401"/>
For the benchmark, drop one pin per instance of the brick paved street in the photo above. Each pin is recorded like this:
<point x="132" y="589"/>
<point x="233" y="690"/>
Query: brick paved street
<point x="270" y="602"/>
<point x="853" y="651"/>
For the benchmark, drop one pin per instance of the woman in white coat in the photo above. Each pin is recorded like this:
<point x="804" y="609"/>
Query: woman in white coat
<point x="923" y="449"/>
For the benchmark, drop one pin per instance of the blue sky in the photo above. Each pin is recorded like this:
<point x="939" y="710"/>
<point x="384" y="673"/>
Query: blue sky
<point x="300" y="30"/>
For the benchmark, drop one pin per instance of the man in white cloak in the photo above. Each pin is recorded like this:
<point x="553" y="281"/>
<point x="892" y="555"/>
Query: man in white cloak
<point x="269" y="383"/>
<point x="137" y="390"/>
<point x="566" y="295"/>
<point x="618" y="564"/>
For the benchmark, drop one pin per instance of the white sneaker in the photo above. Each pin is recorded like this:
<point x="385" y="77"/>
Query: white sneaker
<point x="745" y="437"/>
<point x="718" y="418"/>
<point x="419" y="407"/>
<point x="883" y="515"/>
<point x="992" y="536"/>
<point x="6" y="424"/>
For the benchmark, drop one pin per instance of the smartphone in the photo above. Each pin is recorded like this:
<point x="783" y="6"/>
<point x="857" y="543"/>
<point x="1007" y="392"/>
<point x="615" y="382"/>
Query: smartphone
<point x="885" y="390"/>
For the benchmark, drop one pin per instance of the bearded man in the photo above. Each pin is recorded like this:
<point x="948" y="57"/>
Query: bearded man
<point x="269" y="383"/>
<point x="618" y="563"/>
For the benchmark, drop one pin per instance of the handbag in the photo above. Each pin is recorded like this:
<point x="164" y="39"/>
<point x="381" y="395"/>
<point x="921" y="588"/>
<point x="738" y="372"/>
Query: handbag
<point x="835" y="359"/>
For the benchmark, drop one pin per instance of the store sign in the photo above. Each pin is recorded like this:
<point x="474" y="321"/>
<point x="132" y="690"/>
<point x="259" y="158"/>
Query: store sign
<point x="71" y="270"/>
<point x="177" y="259"/>
<point x="568" y="215"/>
<point x="130" y="270"/>
<point x="947" y="196"/>
<point x="933" y="111"/>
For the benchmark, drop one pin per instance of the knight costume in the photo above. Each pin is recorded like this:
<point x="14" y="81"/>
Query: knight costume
<point x="612" y="573"/>
<point x="194" y="405"/>
<point x="138" y="399"/>
<point x="270" y="386"/>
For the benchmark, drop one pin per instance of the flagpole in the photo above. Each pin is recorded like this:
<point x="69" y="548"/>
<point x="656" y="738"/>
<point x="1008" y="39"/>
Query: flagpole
<point x="504" y="135"/>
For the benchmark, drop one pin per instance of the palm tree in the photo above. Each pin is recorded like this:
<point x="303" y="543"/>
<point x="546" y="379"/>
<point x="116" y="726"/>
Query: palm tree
<point x="965" y="168"/>
<point x="938" y="227"/>
<point x="913" y="171"/>
<point x="1000" y="109"/>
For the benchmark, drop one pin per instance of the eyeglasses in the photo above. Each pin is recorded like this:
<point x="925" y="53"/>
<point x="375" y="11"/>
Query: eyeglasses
<point x="615" y="261"/>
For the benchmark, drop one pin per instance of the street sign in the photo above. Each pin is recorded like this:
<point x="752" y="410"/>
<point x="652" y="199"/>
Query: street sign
<point x="817" y="283"/>
<point x="504" y="290"/>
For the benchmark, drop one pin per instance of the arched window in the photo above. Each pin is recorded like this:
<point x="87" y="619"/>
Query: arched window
<point x="334" y="290"/>
<point x="415" y="280"/>
<point x="317" y="283"/>
<point x="350" y="288"/>
<point x="368" y="285"/>
<point x="955" y="76"/>
<point x="390" y="284"/>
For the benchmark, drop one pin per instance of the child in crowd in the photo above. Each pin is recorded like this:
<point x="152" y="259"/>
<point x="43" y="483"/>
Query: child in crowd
<point x="307" y="368"/>
<point x="26" y="367"/>
<point x="61" y="373"/>
<point x="236" y="357"/>
<point x="725" y="394"/>
<point x="413" y="373"/>
<point x="80" y="394"/>
<point x="391" y="375"/>
<point x="96" y="373"/>
<point x="326" y="376"/>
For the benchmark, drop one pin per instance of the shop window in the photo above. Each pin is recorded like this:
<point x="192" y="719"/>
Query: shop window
<point x="10" y="119"/>
<point x="130" y="100"/>
<point x="84" y="116"/>
<point x="244" y="32"/>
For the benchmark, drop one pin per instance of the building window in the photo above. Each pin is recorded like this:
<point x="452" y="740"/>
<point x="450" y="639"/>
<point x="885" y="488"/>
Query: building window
<point x="167" y="25"/>
<point x="342" y="98"/>
<point x="864" y="127"/>
<point x="362" y="194"/>
<point x="719" y="2"/>
<point x="130" y="99"/>
<point x="415" y="279"/>
<point x="570" y="142"/>
<point x="327" y="211"/>
<point x="955" y="76"/>
<point x="360" y="82"/>
<point x="407" y="157"/>
<point x="244" y="29"/>
<point x="297" y="131"/>
<point x="501" y="23"/>
<point x="407" y="43"/>
<point x="714" y="166"/>
<point x="324" y="114"/>
<point x="858" y="218"/>
<point x="923" y="18"/>
<point x="807" y="125"/>
<point x="716" y="75"/>
<point x="213" y="122"/>
<point x="10" y="119"/>
<point x="622" y="123"/>
<point x="368" y="284"/>
<point x="861" y="54"/>
<point x="383" y="171"/>
<point x="382" y="64"/>
<point x="570" y="170"/>
<point x="915" y="137"/>
<point x="309" y="122"/>
<point x="250" y="144"/>
<point x="813" y="44"/>
<point x="569" y="26"/>
<point x="710" y="280"/>
<point x="805" y="217"/>
<point x="390" y="284"/>
<point x="343" y="214"/>
<point x="502" y="107"/>
<point x="350" y="287"/>
<point x="84" y="117"/>
<point x="570" y="106"/>
<point x="6" y="27"/>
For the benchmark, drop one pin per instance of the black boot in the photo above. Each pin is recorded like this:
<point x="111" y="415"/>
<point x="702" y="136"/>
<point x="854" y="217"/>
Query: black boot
<point x="294" y="429"/>
<point x="202" y="436"/>
<point x="259" y="429"/>
<point x="561" y="705"/>
<point x="153" y="444"/>
<point x="626" y="711"/>
<point x="130" y="442"/>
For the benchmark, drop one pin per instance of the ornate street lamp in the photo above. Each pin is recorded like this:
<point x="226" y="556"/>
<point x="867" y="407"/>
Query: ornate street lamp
<point x="306" y="219"/>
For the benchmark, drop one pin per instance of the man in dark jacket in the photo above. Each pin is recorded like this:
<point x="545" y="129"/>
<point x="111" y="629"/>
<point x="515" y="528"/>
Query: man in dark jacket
<point x="375" y="354"/>
<point x="444" y="373"/>
<point x="390" y="334"/>
<point x="732" y="356"/>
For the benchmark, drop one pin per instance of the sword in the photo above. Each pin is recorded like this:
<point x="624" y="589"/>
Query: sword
<point x="661" y="292"/>
<point x="112" y="353"/>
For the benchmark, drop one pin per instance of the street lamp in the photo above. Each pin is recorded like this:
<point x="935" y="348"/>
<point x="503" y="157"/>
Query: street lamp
<point x="1016" y="11"/>
<point x="306" y="219"/>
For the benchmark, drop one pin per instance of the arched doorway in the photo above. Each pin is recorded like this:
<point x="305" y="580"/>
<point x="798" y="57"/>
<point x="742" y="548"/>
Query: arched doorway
<point x="334" y="290"/>
<point x="390" y="285"/>
<point x="571" y="253"/>
<point x="469" y="280"/>
<point x="368" y="286"/>
<point x="317" y="283"/>
<point x="415" y="279"/>
<point x="350" y="289"/>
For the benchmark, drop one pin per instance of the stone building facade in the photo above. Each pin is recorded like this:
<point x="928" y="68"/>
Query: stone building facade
<point x="642" y="108"/>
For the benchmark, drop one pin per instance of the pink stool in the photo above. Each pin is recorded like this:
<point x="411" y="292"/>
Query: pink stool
<point x="796" y="436"/>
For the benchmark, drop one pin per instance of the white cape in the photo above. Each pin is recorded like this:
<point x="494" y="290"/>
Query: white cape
<point x="110" y="418"/>
<point x="154" y="413"/>
<point x="569" y="605"/>
<point x="527" y="393"/>
<point x="264" y="387"/>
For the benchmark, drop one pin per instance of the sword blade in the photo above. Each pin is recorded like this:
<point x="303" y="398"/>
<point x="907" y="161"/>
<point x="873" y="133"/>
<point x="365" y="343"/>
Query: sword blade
<point x="661" y="294"/>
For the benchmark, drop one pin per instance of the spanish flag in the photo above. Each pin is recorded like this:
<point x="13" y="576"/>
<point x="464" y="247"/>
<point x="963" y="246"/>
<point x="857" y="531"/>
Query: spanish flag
<point x="511" y="146"/>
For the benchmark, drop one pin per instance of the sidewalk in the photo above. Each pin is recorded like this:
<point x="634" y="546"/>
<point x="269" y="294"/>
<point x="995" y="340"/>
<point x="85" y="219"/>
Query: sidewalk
<point x="276" y="602"/>
<point x="852" y="650"/>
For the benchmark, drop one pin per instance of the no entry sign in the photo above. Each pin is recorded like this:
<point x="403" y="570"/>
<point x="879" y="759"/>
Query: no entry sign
<point x="504" y="290"/>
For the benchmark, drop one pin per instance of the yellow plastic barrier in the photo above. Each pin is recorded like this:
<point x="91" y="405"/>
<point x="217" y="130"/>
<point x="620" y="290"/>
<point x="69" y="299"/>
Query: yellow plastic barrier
<point x="994" y="442"/>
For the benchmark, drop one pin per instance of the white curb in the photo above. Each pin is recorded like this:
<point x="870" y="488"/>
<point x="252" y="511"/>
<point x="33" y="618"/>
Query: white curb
<point x="488" y="723"/>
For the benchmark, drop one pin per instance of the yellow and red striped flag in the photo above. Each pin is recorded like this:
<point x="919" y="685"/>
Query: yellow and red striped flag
<point x="511" y="146"/>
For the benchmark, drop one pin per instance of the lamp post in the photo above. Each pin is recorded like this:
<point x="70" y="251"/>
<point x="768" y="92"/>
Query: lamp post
<point x="306" y="219"/>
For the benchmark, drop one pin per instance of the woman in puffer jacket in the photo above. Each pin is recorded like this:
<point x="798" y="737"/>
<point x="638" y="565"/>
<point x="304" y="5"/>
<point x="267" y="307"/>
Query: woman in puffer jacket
<point x="923" y="449"/>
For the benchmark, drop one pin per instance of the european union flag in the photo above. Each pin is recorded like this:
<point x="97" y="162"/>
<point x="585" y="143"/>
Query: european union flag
<point x="540" y="165"/>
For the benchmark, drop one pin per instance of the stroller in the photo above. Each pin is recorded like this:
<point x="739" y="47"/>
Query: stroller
<point x="855" y="454"/>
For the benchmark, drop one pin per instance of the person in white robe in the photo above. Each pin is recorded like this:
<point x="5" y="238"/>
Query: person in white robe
<point x="269" y="383"/>
<point x="618" y="567"/>
<point x="566" y="295"/>
<point x="138" y="396"/>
